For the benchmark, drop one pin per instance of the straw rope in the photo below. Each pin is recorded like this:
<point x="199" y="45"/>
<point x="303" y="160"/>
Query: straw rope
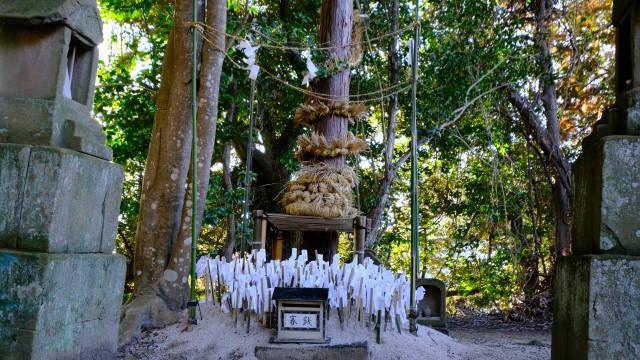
<point x="316" y="145"/>
<point x="321" y="190"/>
<point x="308" y="114"/>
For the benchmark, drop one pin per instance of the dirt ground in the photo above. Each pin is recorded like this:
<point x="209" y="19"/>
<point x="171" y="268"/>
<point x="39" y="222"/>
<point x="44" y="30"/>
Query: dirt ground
<point x="532" y="344"/>
<point x="216" y="337"/>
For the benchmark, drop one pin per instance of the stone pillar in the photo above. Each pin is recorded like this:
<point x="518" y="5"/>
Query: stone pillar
<point x="61" y="284"/>
<point x="597" y="289"/>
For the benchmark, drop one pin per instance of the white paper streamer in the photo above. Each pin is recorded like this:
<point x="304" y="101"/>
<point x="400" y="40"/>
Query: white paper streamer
<point x="248" y="284"/>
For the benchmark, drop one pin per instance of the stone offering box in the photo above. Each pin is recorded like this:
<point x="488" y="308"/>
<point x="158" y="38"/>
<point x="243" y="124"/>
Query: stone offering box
<point x="300" y="315"/>
<point x="432" y="308"/>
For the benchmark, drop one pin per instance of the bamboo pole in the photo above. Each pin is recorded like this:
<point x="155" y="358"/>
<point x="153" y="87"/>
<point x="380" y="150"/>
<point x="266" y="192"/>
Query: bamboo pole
<point x="247" y="175"/>
<point x="194" y="160"/>
<point x="414" y="175"/>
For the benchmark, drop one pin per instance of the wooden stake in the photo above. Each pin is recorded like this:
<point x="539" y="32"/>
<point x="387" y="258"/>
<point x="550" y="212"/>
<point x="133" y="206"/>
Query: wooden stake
<point x="219" y="285"/>
<point x="378" y="326"/>
<point x="387" y="319"/>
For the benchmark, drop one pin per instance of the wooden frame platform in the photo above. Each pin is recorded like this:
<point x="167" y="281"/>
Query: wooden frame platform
<point x="358" y="225"/>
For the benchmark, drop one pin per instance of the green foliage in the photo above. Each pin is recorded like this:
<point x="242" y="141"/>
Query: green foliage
<point x="486" y="215"/>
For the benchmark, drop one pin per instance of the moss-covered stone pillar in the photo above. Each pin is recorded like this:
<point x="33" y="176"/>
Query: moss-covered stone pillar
<point x="597" y="289"/>
<point x="61" y="283"/>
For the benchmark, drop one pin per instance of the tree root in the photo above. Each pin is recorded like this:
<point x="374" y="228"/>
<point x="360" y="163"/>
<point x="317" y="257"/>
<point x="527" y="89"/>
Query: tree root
<point x="144" y="312"/>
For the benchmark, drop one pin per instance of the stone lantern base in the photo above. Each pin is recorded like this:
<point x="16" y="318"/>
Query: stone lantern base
<point x="596" y="307"/>
<point x="58" y="306"/>
<point x="61" y="284"/>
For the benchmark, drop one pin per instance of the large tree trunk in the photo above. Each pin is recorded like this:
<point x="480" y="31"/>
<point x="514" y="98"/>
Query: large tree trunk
<point x="335" y="31"/>
<point x="163" y="238"/>
<point x="175" y="292"/>
<point x="336" y="24"/>
<point x="561" y="188"/>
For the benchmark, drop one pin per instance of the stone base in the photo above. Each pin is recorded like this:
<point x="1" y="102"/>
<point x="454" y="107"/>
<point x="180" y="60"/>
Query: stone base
<point x="607" y="198"/>
<point x="355" y="351"/>
<point x="59" y="306"/>
<point x="57" y="200"/>
<point x="597" y="308"/>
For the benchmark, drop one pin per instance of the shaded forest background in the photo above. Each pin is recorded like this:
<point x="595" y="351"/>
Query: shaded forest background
<point x="491" y="162"/>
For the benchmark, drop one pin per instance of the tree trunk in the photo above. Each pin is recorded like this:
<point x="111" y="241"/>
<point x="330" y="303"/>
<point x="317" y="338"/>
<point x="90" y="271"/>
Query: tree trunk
<point x="548" y="139"/>
<point x="335" y="31"/>
<point x="228" y="187"/>
<point x="336" y="23"/>
<point x="561" y="188"/>
<point x="175" y="292"/>
<point x="163" y="238"/>
<point x="384" y="186"/>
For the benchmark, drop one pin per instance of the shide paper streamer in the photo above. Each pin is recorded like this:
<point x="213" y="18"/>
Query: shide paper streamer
<point x="358" y="292"/>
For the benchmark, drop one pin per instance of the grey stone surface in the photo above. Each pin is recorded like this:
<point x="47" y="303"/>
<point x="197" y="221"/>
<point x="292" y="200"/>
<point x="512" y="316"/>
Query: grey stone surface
<point x="58" y="200"/>
<point x="14" y="162"/>
<point x="43" y="122"/>
<point x="607" y="198"/>
<point x="57" y="306"/>
<point x="35" y="58"/>
<point x="630" y="119"/>
<point x="33" y="108"/>
<point x="624" y="119"/>
<point x="355" y="351"/>
<point x="80" y="15"/>
<point x="597" y="308"/>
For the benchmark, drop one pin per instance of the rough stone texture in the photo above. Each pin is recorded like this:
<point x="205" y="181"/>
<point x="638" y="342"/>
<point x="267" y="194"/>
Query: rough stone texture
<point x="607" y="198"/>
<point x="33" y="108"/>
<point x="596" y="307"/>
<point x="57" y="200"/>
<point x="79" y="15"/>
<point x="630" y="119"/>
<point x="355" y="351"/>
<point x="624" y="119"/>
<point x="14" y="162"/>
<point x="56" y="306"/>
<point x="59" y="297"/>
